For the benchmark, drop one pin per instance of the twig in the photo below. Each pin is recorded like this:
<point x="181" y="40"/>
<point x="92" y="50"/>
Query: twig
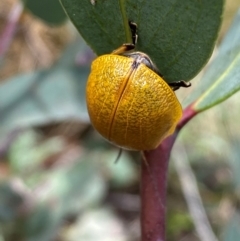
<point x="10" y="28"/>
<point x="153" y="191"/>
<point x="154" y="183"/>
<point x="191" y="194"/>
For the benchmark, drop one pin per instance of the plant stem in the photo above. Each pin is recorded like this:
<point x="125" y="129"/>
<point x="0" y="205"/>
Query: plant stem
<point x="153" y="191"/>
<point x="154" y="184"/>
<point x="188" y="114"/>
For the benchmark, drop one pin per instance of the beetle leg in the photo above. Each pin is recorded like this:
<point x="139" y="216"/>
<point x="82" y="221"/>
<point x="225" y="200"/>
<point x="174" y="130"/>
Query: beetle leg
<point x="124" y="48"/>
<point x="178" y="84"/>
<point x="133" y="27"/>
<point x="128" y="46"/>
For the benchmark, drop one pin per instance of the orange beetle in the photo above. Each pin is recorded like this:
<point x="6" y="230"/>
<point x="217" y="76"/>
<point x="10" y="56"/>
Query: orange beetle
<point x="128" y="101"/>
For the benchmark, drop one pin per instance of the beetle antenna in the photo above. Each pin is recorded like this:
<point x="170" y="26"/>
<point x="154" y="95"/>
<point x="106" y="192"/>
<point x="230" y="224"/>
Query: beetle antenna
<point x="133" y="27"/>
<point x="119" y="155"/>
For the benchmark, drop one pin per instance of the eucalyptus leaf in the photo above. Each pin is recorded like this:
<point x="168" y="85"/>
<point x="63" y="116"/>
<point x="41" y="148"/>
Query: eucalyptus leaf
<point x="222" y="77"/>
<point x="27" y="152"/>
<point x="178" y="35"/>
<point x="49" y="11"/>
<point x="44" y="96"/>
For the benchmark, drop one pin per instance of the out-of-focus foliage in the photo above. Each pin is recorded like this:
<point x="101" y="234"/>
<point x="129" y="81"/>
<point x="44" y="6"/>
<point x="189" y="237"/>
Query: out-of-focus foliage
<point x="87" y="227"/>
<point x="45" y="96"/>
<point x="52" y="187"/>
<point x="232" y="231"/>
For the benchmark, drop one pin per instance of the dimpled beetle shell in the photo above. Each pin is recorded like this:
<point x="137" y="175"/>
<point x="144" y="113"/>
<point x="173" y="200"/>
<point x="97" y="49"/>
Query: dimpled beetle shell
<point x="133" y="108"/>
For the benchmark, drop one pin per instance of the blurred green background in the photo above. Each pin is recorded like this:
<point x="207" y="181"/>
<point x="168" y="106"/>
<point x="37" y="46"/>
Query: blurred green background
<point x="58" y="178"/>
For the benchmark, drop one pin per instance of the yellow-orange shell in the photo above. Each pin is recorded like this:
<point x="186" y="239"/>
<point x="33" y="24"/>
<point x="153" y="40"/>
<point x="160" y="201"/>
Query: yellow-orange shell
<point x="132" y="107"/>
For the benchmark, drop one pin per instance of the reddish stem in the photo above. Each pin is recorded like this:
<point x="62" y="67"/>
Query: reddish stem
<point x="188" y="114"/>
<point x="153" y="191"/>
<point x="154" y="184"/>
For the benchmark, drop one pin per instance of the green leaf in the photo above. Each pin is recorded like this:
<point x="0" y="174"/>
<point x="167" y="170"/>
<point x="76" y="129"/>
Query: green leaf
<point x="27" y="152"/>
<point x="43" y="97"/>
<point x="55" y="94"/>
<point x="232" y="232"/>
<point x="178" y="35"/>
<point x="222" y="77"/>
<point x="49" y="11"/>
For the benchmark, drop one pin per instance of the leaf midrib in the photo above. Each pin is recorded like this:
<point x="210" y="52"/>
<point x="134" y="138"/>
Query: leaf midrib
<point x="125" y="21"/>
